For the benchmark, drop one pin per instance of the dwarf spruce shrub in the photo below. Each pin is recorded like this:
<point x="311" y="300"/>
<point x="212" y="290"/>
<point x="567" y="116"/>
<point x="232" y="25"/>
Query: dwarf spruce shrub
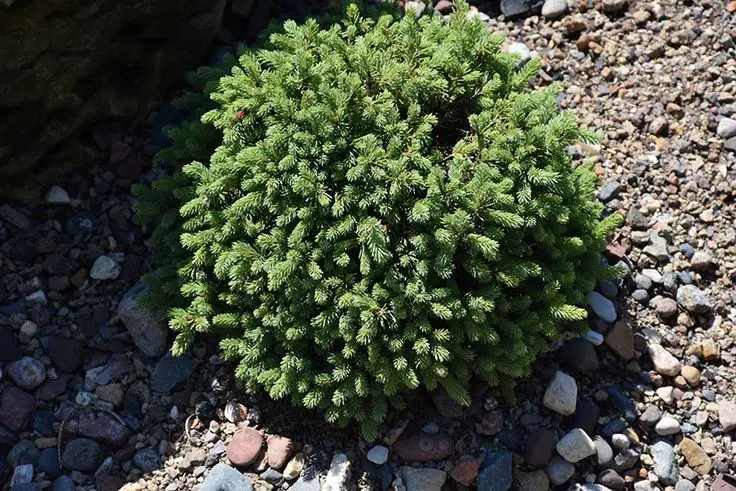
<point x="372" y="208"/>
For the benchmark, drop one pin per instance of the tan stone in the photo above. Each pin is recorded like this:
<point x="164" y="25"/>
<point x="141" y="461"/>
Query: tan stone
<point x="696" y="457"/>
<point x="691" y="375"/>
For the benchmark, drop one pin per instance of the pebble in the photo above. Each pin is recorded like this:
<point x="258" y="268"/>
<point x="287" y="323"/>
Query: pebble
<point x="16" y="408"/>
<point x="496" y="474"/>
<point x="727" y="415"/>
<point x="667" y="426"/>
<point x="422" y="479"/>
<point x="294" y="467"/>
<point x="726" y="128"/>
<point x="66" y="354"/>
<point x="378" y="455"/>
<point x="338" y="476"/>
<point x="692" y="299"/>
<point x="665" y="464"/>
<point x="148" y="333"/>
<point x="620" y="441"/>
<point x="696" y="457"/>
<point x="559" y="470"/>
<point x="666" y="308"/>
<point x="684" y="485"/>
<point x="57" y="195"/>
<point x="540" y="446"/>
<point x="561" y="394"/>
<point x="651" y="415"/>
<point x="611" y="479"/>
<point x="423" y="447"/>
<point x="611" y="189"/>
<point x="620" y="338"/>
<point x="245" y="447"/>
<point x="222" y="477"/>
<point x="664" y="362"/>
<point x="665" y="393"/>
<point x="147" y="460"/>
<point x="27" y="373"/>
<point x="170" y="372"/>
<point x="81" y="454"/>
<point x="104" y="428"/>
<point x="272" y="476"/>
<point x="691" y="375"/>
<point x="576" y="446"/>
<point x="64" y="483"/>
<point x="701" y="261"/>
<point x="604" y="452"/>
<point x="602" y="307"/>
<point x="23" y="474"/>
<point x="105" y="268"/>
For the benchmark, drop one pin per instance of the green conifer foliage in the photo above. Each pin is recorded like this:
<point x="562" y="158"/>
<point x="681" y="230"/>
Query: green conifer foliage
<point x="375" y="207"/>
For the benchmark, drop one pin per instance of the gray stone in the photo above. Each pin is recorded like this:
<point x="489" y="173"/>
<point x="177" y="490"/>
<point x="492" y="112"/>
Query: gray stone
<point x="730" y="144"/>
<point x="148" y="333"/>
<point x="625" y="460"/>
<point x="272" y="476"/>
<point x="657" y="250"/>
<point x="105" y="268"/>
<point x="641" y="296"/>
<point x="338" y="477"/>
<point x="611" y="479"/>
<point x="604" y="452"/>
<point x="446" y="405"/>
<point x="664" y="362"/>
<point x="27" y="373"/>
<point x="533" y="481"/>
<point x="56" y="195"/>
<point x="378" y="455"/>
<point x="147" y="460"/>
<point x="561" y="394"/>
<point x="222" y="477"/>
<point x="602" y="307"/>
<point x="576" y="446"/>
<point x="580" y="354"/>
<point x="611" y="189"/>
<point x="516" y="8"/>
<point x="620" y="338"/>
<point x="684" y="485"/>
<point x="726" y="128"/>
<point x="643" y="281"/>
<point x="497" y="472"/>
<point x="665" y="463"/>
<point x="636" y="219"/>
<point x="702" y="261"/>
<point x="559" y="470"/>
<point x="81" y="454"/>
<point x="23" y="474"/>
<point x="692" y="299"/>
<point x="423" y="479"/>
<point x="651" y="415"/>
<point x="171" y="372"/>
<point x="667" y="426"/>
<point x="65" y="483"/>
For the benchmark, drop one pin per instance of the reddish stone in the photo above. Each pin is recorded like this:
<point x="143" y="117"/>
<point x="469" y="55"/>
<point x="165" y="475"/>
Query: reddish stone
<point x="16" y="408"/>
<point x="492" y="423"/>
<point x="245" y="447"/>
<point x="280" y="450"/>
<point x="444" y="6"/>
<point x="104" y="428"/>
<point x="615" y="251"/>
<point x="423" y="447"/>
<point x="124" y="454"/>
<point x="464" y="473"/>
<point x="539" y="447"/>
<point x="119" y="151"/>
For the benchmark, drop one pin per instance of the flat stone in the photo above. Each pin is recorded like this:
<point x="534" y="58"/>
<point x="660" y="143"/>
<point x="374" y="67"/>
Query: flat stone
<point x="496" y="474"/>
<point x="171" y="372"/>
<point x="692" y="299"/>
<point x="245" y="447"/>
<point x="726" y="128"/>
<point x="378" y="455"/>
<point x="667" y="426"/>
<point x="222" y="477"/>
<point x="148" y="333"/>
<point x="338" y="476"/>
<point x="81" y="454"/>
<point x="27" y="373"/>
<point x="423" y="479"/>
<point x="604" y="452"/>
<point x="105" y="268"/>
<point x="16" y="408"/>
<point x="620" y="339"/>
<point x="665" y="464"/>
<point x="66" y="354"/>
<point x="539" y="447"/>
<point x="294" y="467"/>
<point x="553" y="9"/>
<point x="664" y="362"/>
<point x="602" y="307"/>
<point x="727" y="415"/>
<point x="561" y="394"/>
<point x="423" y="447"/>
<point x="576" y="446"/>
<point x="696" y="457"/>
<point x="279" y="451"/>
<point x="559" y="470"/>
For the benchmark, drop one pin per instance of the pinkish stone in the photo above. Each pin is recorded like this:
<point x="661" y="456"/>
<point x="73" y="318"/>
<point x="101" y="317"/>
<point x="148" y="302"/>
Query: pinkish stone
<point x="280" y="450"/>
<point x="245" y="447"/>
<point x="16" y="408"/>
<point x="424" y="447"/>
<point x="464" y="473"/>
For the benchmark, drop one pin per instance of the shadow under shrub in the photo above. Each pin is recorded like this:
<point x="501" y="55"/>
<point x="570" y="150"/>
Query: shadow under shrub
<point x="375" y="207"/>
